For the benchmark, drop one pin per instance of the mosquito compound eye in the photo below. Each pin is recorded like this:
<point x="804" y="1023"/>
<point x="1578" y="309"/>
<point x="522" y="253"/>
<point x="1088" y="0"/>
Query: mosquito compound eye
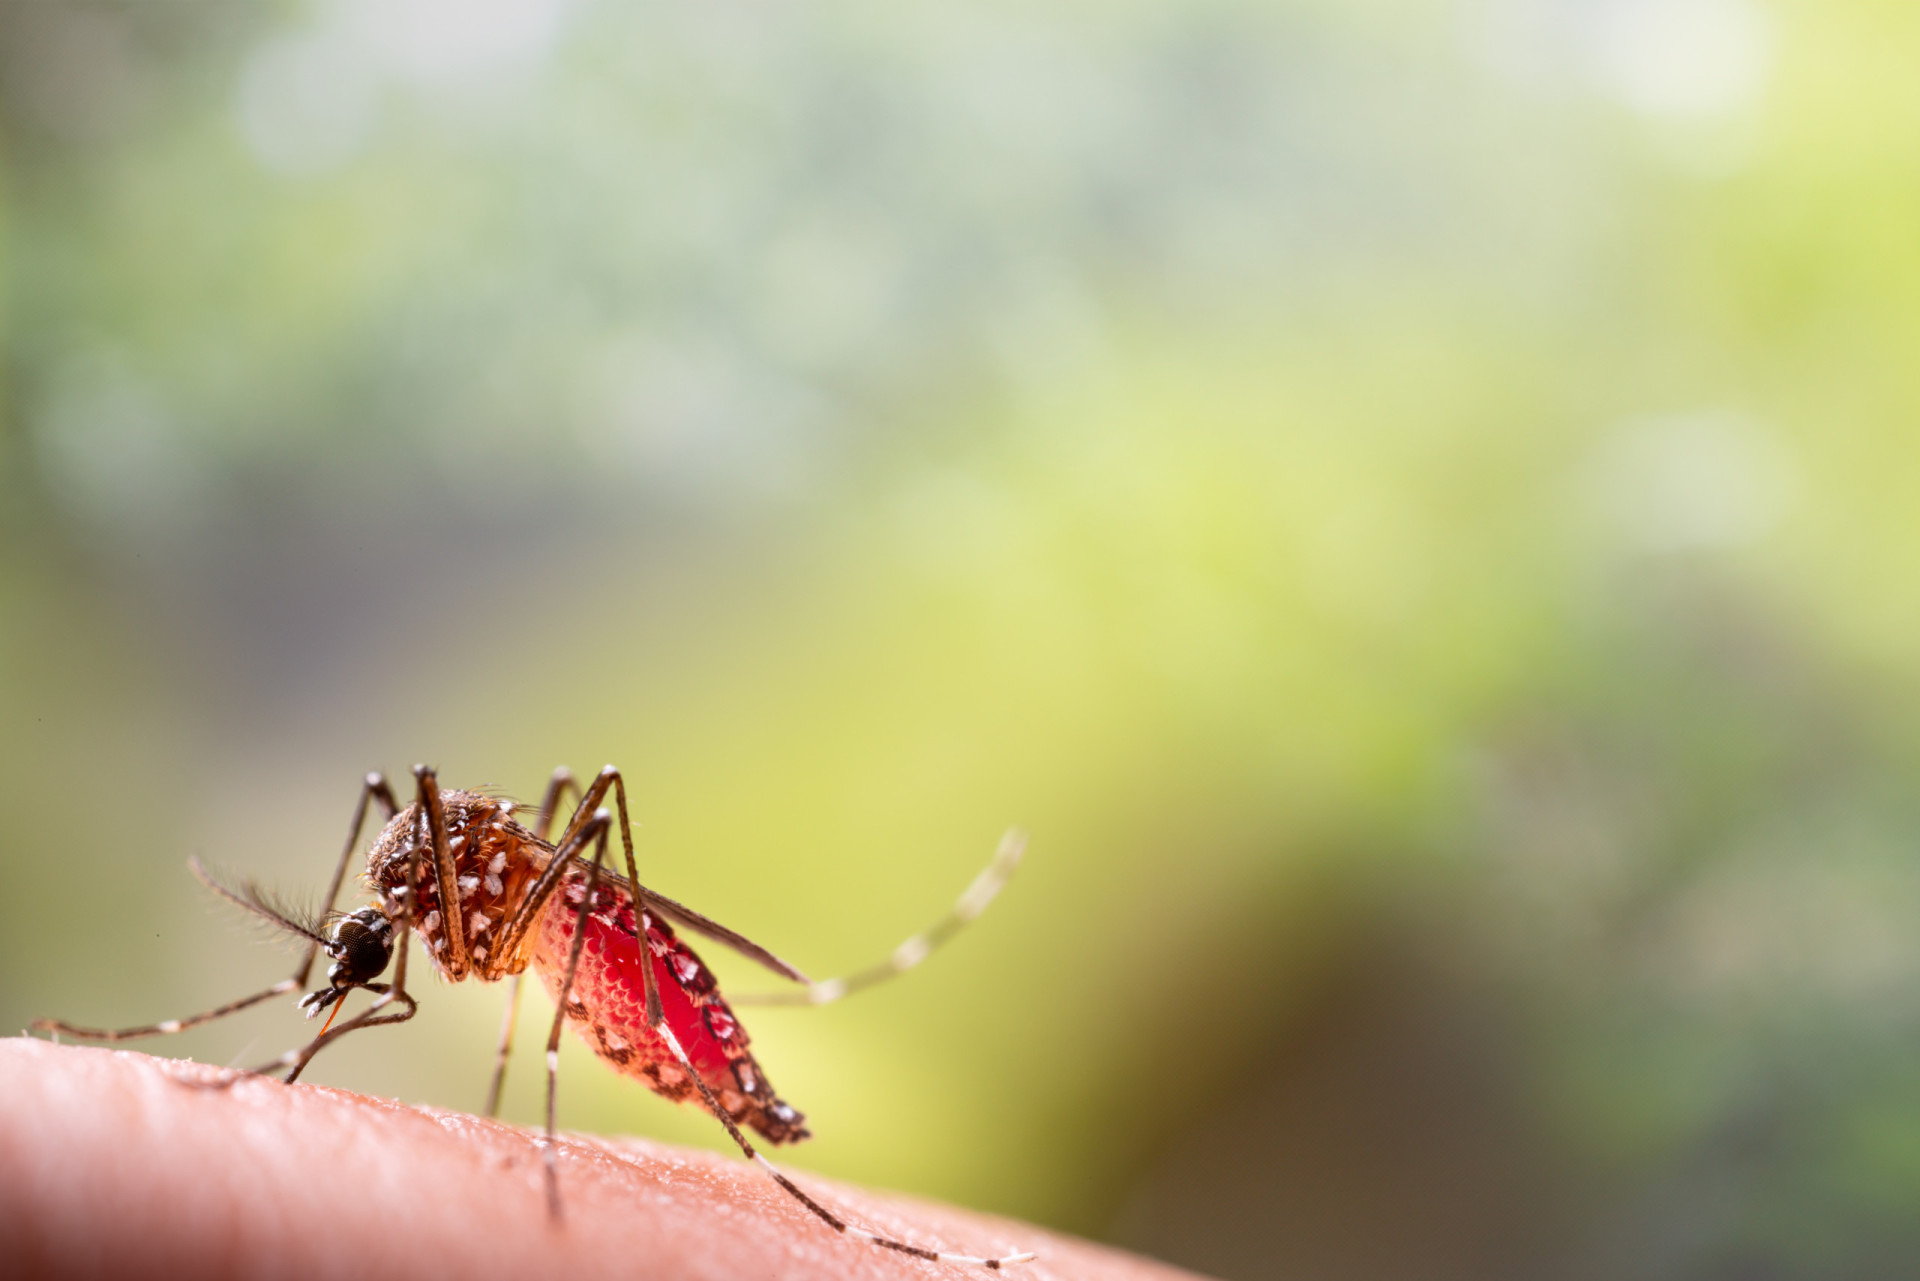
<point x="362" y="948"/>
<point x="374" y="921"/>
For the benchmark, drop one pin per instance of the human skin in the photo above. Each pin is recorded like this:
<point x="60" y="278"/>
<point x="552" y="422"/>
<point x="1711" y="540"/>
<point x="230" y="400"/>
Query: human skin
<point x="117" y="1164"/>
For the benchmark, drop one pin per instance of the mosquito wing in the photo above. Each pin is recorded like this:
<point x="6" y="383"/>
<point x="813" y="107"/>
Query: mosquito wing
<point x="707" y="926"/>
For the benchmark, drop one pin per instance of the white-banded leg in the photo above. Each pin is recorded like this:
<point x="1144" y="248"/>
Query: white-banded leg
<point x="792" y="1189"/>
<point x="372" y="788"/>
<point x="595" y="829"/>
<point x="969" y="905"/>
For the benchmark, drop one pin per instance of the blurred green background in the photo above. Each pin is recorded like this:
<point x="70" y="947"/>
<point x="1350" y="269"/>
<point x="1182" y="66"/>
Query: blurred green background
<point x="1412" y="503"/>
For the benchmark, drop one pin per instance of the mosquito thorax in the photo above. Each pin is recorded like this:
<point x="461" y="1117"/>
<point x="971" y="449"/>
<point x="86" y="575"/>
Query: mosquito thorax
<point x="495" y="860"/>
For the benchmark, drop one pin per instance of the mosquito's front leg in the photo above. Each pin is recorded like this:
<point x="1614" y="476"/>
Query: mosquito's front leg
<point x="427" y="791"/>
<point x="793" y="1190"/>
<point x="372" y="788"/>
<point x="297" y="1060"/>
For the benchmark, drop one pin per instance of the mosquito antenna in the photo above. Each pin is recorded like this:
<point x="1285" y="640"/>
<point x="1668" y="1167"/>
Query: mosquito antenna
<point x="261" y="903"/>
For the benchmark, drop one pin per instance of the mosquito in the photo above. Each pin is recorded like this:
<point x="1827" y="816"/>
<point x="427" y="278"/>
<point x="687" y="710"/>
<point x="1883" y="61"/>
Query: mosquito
<point x="489" y="897"/>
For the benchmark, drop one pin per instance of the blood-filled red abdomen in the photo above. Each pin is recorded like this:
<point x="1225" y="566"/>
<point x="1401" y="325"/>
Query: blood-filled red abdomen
<point x="607" y="1007"/>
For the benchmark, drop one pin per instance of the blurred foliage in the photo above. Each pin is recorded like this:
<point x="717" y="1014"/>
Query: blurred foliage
<point x="1409" y="502"/>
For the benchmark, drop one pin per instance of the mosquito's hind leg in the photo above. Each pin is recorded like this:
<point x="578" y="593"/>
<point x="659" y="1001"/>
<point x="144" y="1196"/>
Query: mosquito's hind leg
<point x="977" y="896"/>
<point x="793" y="1190"/>
<point x="373" y="787"/>
<point x="970" y="904"/>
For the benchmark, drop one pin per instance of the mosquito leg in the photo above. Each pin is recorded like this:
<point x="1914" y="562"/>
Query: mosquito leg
<point x="585" y="824"/>
<point x="609" y="778"/>
<point x="608" y="774"/>
<point x="793" y="1190"/>
<point x="296" y="1060"/>
<point x="506" y="1047"/>
<point x="916" y="949"/>
<point x="166" y="1027"/>
<point x="427" y="789"/>
<point x="372" y="788"/>
<point x="558" y="786"/>
<point x="571" y="839"/>
<point x="596" y="830"/>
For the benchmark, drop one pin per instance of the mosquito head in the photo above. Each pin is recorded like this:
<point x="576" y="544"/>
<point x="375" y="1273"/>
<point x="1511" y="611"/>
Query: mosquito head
<point x="361" y="944"/>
